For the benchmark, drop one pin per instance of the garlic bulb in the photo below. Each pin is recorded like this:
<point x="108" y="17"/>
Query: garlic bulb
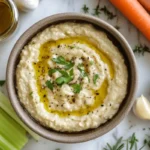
<point x="141" y="108"/>
<point x="27" y="5"/>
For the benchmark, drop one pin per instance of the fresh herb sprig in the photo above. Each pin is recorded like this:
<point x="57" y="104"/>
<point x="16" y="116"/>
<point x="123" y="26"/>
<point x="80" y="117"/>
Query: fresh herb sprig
<point x="141" y="49"/>
<point x="85" y="9"/>
<point x="133" y="142"/>
<point x="118" y="146"/>
<point x="109" y="14"/>
<point x="97" y="11"/>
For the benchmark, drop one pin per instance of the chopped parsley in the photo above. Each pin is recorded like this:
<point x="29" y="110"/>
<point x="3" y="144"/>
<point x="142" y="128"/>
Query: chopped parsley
<point x="96" y="76"/>
<point x="49" y="84"/>
<point x="91" y="62"/>
<point x="71" y="46"/>
<point x="76" y="88"/>
<point x="51" y="71"/>
<point x="69" y="65"/>
<point x="61" y="60"/>
<point x="82" y="70"/>
<point x="85" y="9"/>
<point x="31" y="94"/>
<point x="63" y="79"/>
<point x="2" y="82"/>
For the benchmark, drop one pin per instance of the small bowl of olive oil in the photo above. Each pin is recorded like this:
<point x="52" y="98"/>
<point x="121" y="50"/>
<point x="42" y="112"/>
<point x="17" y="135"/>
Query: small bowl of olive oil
<point x="8" y="18"/>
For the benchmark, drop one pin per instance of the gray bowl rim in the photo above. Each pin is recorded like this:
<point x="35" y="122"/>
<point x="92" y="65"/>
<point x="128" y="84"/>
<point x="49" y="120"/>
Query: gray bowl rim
<point x="54" y="135"/>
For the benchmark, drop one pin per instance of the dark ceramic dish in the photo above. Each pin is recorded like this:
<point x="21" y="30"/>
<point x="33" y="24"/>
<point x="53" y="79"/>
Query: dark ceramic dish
<point x="117" y="39"/>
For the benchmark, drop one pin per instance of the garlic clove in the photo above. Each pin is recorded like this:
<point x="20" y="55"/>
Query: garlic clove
<point x="26" y="5"/>
<point x="141" y="108"/>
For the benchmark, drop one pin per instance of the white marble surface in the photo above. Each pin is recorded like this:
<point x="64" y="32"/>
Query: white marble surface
<point x="130" y="124"/>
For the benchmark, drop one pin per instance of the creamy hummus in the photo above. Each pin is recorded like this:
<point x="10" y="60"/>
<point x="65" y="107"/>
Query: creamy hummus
<point x="71" y="77"/>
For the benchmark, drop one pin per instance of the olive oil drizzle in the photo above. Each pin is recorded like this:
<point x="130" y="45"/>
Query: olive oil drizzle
<point x="41" y="69"/>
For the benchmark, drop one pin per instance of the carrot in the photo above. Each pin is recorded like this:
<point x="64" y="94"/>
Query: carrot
<point x="146" y="4"/>
<point x="134" y="11"/>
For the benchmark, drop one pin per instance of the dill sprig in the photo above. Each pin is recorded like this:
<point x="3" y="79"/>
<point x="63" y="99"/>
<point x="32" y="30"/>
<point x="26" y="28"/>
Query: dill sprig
<point x="109" y="14"/>
<point x="141" y="49"/>
<point x="97" y="11"/>
<point x="85" y="9"/>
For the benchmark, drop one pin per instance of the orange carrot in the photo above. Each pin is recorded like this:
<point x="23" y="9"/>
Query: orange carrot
<point x="135" y="12"/>
<point x="146" y="4"/>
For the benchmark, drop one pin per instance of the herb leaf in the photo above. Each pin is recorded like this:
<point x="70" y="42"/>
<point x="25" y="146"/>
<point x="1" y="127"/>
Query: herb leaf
<point x="61" y="60"/>
<point x="51" y="71"/>
<point x="96" y="76"/>
<point x="64" y="73"/>
<point x="141" y="49"/>
<point x="133" y="141"/>
<point x="82" y="70"/>
<point x="71" y="73"/>
<point x="49" y="84"/>
<point x="68" y="66"/>
<point x="91" y="62"/>
<point x="2" y="82"/>
<point x="76" y="88"/>
<point x="61" y="80"/>
<point x="109" y="14"/>
<point x="30" y="94"/>
<point x="97" y="11"/>
<point x="85" y="9"/>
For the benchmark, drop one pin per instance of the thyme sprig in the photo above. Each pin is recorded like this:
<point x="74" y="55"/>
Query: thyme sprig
<point x="85" y="9"/>
<point x="97" y="11"/>
<point x="141" y="49"/>
<point x="118" y="145"/>
<point x="133" y="142"/>
<point x="109" y="14"/>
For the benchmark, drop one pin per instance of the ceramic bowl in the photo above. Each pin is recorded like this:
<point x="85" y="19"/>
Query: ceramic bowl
<point x="117" y="39"/>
